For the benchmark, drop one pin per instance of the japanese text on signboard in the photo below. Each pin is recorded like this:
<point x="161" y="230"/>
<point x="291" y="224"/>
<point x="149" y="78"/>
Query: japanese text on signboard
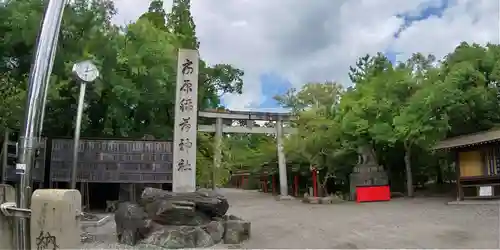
<point x="187" y="111"/>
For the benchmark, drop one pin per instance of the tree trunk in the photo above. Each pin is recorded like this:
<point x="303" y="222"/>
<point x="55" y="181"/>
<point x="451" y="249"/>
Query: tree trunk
<point x="409" y="176"/>
<point x="320" y="190"/>
<point x="439" y="177"/>
<point x="322" y="186"/>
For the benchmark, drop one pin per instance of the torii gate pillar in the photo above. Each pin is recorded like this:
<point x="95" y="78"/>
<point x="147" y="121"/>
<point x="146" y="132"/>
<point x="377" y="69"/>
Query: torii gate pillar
<point x="217" y="149"/>
<point x="282" y="161"/>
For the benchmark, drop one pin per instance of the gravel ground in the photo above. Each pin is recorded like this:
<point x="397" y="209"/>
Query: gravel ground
<point x="400" y="223"/>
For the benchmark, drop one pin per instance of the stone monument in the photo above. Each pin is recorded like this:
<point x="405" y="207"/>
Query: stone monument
<point x="179" y="220"/>
<point x="367" y="172"/>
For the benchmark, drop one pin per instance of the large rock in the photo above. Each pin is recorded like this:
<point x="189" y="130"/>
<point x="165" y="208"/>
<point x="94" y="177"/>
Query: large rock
<point x="174" y="237"/>
<point x="202" y="238"/>
<point x="215" y="229"/>
<point x="171" y="237"/>
<point x="178" y="220"/>
<point x="195" y="208"/>
<point x="236" y="230"/>
<point x="132" y="223"/>
<point x="218" y="210"/>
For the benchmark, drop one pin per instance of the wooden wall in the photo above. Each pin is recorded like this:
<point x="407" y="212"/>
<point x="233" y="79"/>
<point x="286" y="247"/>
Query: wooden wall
<point x="480" y="161"/>
<point x="471" y="163"/>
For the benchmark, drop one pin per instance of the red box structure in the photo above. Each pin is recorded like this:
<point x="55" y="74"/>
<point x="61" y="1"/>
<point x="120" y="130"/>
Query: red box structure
<point x="373" y="193"/>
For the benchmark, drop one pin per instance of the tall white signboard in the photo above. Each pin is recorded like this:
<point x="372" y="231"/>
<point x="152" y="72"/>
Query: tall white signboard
<point x="185" y="127"/>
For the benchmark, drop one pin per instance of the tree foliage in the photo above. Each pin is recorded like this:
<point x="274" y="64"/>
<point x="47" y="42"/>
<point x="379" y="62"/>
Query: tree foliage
<point x="135" y="94"/>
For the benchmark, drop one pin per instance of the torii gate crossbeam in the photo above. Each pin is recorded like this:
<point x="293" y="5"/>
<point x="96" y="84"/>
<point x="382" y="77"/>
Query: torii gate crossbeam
<point x="279" y="130"/>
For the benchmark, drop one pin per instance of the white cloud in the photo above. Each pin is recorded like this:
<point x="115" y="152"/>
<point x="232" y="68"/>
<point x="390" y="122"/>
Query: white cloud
<point x="318" y="40"/>
<point x="469" y="20"/>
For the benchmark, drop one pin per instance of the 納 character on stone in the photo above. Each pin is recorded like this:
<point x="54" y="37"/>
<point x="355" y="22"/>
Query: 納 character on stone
<point x="46" y="241"/>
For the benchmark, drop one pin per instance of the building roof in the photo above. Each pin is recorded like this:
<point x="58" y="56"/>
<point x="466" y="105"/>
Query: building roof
<point x="484" y="137"/>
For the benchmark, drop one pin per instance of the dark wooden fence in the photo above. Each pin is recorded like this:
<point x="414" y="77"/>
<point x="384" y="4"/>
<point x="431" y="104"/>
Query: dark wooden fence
<point x="101" y="161"/>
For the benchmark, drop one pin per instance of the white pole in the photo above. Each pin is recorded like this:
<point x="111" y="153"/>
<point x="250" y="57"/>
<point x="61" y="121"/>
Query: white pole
<point x="76" y="140"/>
<point x="40" y="71"/>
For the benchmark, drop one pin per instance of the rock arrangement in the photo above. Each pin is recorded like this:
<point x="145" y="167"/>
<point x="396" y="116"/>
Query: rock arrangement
<point x="179" y="220"/>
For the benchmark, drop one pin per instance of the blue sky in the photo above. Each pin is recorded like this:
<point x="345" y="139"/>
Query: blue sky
<point x="272" y="83"/>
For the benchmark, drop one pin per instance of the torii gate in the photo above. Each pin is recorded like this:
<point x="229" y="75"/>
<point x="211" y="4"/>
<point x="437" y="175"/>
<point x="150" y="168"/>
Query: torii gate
<point x="219" y="128"/>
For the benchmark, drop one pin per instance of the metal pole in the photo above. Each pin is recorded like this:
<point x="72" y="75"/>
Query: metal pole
<point x="45" y="93"/>
<point x="40" y="70"/>
<point x="217" y="151"/>
<point x="46" y="89"/>
<point x="44" y="101"/>
<point x="281" y="159"/>
<point x="5" y="154"/>
<point x="76" y="140"/>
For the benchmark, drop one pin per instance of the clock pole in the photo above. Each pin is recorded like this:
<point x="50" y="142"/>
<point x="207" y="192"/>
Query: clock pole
<point x="76" y="140"/>
<point x="85" y="72"/>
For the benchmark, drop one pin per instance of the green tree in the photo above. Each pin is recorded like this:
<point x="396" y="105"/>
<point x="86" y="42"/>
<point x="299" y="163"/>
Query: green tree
<point x="472" y="70"/>
<point x="376" y="111"/>
<point x="156" y="15"/>
<point x="318" y="139"/>
<point x="180" y="22"/>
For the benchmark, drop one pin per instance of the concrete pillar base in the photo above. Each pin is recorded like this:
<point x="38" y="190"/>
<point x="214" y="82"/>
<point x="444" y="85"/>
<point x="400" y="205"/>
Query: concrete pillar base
<point x="55" y="219"/>
<point x="7" y="226"/>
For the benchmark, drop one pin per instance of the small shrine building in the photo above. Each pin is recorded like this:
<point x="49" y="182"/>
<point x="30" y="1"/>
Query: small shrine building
<point x="477" y="161"/>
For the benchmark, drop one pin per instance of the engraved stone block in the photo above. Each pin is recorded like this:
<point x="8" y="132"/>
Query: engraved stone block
<point x="55" y="220"/>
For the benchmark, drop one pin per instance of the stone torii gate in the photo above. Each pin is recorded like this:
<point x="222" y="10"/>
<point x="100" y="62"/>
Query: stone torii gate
<point x="219" y="128"/>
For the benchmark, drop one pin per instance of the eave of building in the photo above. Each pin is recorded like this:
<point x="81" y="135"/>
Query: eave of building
<point x="470" y="140"/>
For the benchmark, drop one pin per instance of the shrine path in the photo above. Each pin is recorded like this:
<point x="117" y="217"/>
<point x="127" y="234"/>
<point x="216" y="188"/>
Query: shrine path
<point x="400" y="223"/>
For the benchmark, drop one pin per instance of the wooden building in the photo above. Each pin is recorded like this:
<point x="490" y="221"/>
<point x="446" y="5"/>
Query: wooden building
<point x="477" y="161"/>
<point x="239" y="179"/>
